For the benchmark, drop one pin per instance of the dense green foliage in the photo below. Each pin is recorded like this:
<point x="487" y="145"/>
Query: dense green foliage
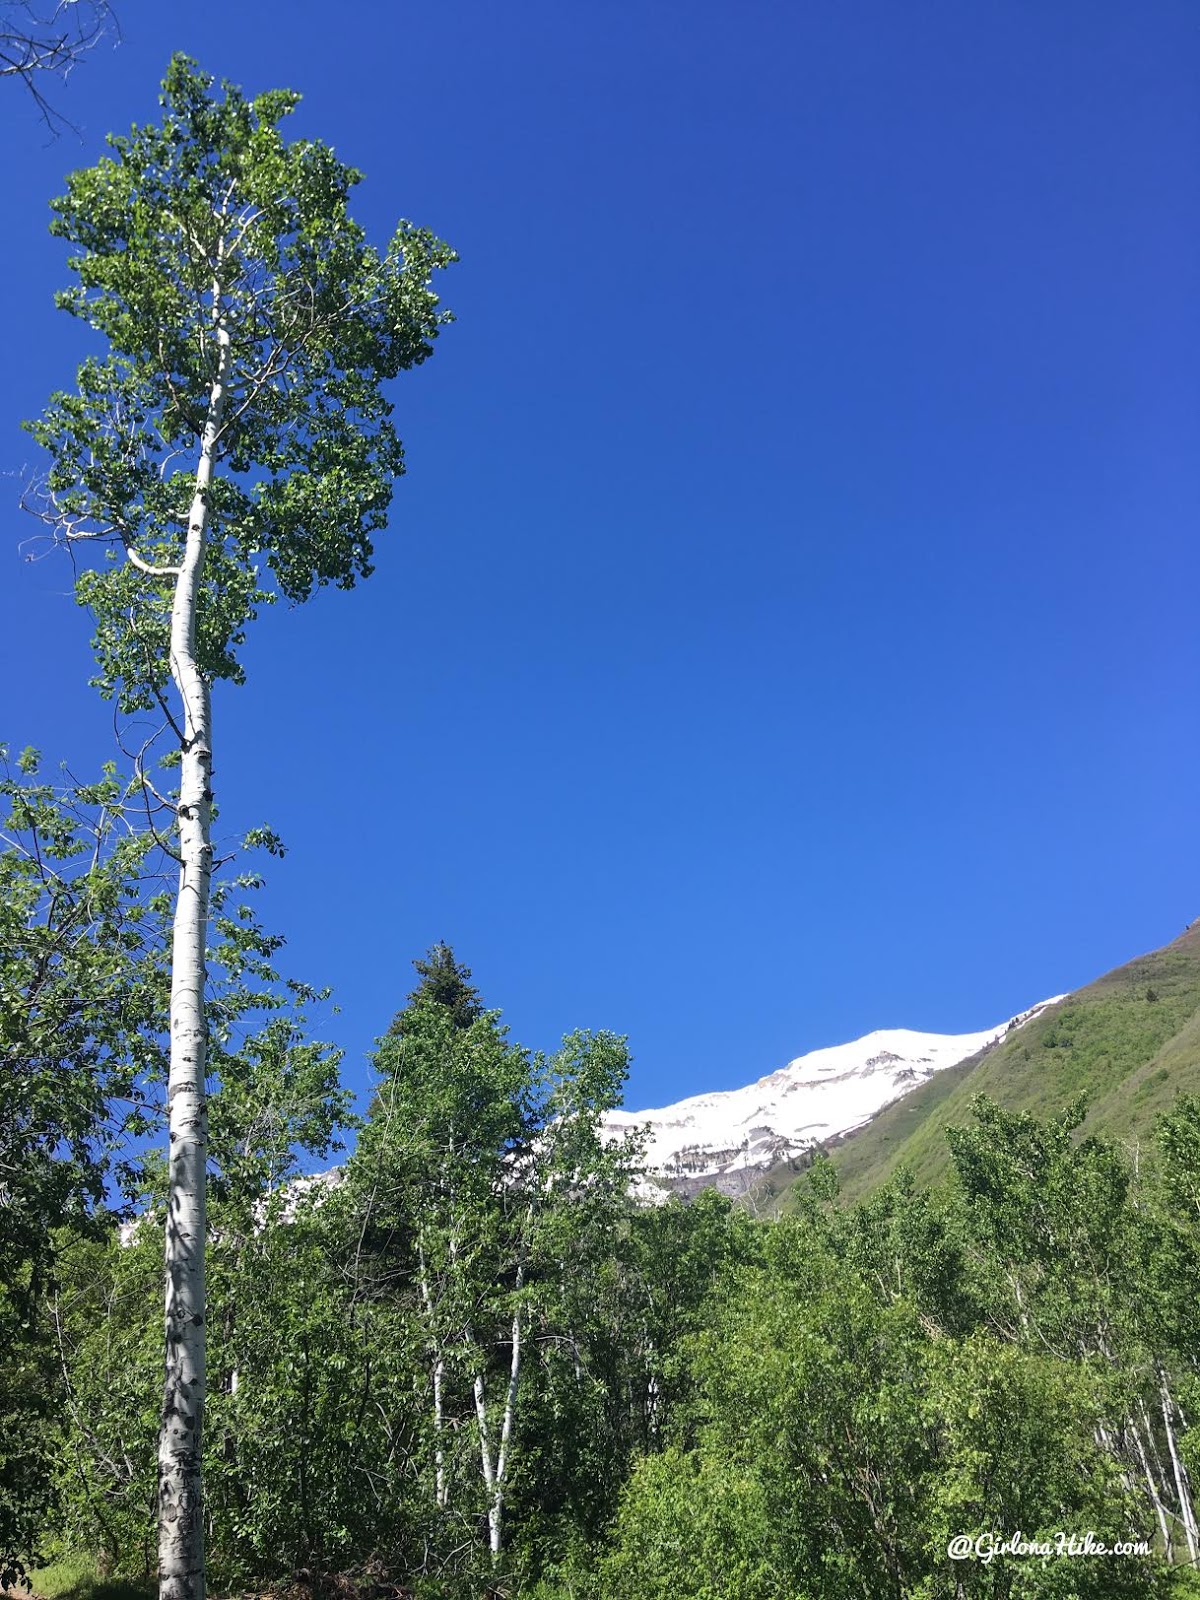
<point x="214" y="256"/>
<point x="84" y="993"/>
<point x="703" y="1405"/>
<point x="81" y="1003"/>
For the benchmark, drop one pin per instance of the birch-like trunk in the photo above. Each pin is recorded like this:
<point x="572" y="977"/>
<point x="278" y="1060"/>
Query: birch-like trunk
<point x="1160" y="1509"/>
<point x="439" y="1373"/>
<point x="180" y="1519"/>
<point x="1183" y="1487"/>
<point x="494" y="1470"/>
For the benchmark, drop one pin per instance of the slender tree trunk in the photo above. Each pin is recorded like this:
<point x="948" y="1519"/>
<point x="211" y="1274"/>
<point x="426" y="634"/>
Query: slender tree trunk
<point x="1160" y="1510"/>
<point x="180" y="1519"/>
<point x="1183" y="1487"/>
<point x="494" y="1471"/>
<point x="439" y="1373"/>
<point x="495" y="1515"/>
<point x="1156" y="1462"/>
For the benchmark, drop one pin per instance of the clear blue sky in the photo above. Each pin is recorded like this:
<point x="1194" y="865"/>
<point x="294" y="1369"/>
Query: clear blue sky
<point x="788" y="624"/>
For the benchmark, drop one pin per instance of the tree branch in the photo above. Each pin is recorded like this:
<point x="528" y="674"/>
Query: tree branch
<point x="37" y="45"/>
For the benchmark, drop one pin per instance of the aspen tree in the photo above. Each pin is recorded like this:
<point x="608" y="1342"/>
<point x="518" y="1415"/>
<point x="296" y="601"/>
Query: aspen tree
<point x="231" y="447"/>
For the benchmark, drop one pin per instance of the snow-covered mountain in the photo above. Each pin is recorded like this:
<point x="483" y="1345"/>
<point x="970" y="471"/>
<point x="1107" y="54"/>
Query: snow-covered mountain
<point x="725" y="1139"/>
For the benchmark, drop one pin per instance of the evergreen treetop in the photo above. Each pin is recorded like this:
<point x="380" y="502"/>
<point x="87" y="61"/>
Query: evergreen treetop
<point x="444" y="982"/>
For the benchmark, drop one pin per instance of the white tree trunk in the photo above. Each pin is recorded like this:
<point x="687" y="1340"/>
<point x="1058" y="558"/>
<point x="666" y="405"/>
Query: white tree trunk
<point x="496" y="1512"/>
<point x="180" y="1520"/>
<point x="494" y="1471"/>
<point x="439" y="1370"/>
<point x="1160" y="1510"/>
<point x="439" y="1373"/>
<point x="1183" y="1487"/>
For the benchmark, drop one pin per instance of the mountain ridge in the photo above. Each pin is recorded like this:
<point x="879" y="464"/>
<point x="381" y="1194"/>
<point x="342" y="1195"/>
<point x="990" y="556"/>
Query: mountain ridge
<point x="1129" y="1042"/>
<point x="730" y="1138"/>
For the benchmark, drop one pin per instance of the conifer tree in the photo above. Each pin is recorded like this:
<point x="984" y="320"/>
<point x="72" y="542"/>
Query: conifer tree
<point x="445" y="982"/>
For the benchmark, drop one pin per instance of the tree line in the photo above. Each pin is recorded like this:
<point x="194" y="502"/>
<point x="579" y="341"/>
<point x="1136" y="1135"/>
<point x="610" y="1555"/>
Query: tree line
<point x="470" y="1359"/>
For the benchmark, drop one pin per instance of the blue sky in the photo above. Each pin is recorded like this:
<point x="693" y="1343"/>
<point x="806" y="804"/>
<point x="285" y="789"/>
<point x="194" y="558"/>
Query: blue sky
<point x="787" y="625"/>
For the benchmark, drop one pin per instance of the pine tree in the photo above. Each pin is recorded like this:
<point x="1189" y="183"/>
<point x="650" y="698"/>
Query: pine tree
<point x="446" y="982"/>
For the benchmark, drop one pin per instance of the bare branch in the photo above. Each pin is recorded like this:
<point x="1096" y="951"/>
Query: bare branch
<point x="41" y="43"/>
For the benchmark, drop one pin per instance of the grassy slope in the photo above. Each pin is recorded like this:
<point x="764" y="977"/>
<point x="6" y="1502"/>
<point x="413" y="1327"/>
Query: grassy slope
<point x="1130" y="1042"/>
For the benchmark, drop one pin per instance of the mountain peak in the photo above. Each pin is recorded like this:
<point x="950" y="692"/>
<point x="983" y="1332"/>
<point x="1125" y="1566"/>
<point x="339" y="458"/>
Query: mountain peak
<point x="728" y="1137"/>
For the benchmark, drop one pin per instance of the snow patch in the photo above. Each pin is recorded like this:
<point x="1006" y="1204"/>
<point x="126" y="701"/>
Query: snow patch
<point x="817" y="1097"/>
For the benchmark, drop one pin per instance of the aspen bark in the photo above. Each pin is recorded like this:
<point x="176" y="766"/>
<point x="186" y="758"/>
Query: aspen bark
<point x="496" y="1514"/>
<point x="439" y="1369"/>
<point x="180" y="1517"/>
<point x="1183" y="1487"/>
<point x="1160" y="1510"/>
<point x="494" y="1472"/>
<point x="439" y="1372"/>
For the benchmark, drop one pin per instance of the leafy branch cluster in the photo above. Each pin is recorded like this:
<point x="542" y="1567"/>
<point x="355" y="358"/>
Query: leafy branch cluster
<point x="211" y="252"/>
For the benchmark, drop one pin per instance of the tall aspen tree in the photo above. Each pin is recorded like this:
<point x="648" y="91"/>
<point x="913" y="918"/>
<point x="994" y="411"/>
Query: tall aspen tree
<point x="233" y="446"/>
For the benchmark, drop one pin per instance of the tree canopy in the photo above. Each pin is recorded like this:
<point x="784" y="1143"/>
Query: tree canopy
<point x="208" y="248"/>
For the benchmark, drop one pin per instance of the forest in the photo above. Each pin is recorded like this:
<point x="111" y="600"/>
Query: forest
<point x="456" y="1343"/>
<point x="469" y="1359"/>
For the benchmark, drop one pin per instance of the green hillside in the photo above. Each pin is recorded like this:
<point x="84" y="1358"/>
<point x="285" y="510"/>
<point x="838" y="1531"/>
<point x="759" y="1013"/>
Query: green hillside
<point x="1130" y="1042"/>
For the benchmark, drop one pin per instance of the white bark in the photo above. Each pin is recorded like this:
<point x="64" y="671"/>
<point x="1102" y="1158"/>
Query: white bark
<point x="439" y="1454"/>
<point x="1160" y="1510"/>
<point x="494" y="1471"/>
<point x="1183" y="1487"/>
<point x="439" y="1373"/>
<point x="180" y="1521"/>
<point x="1156" y="1465"/>
<point x="485" y="1445"/>
<point x="510" y="1406"/>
